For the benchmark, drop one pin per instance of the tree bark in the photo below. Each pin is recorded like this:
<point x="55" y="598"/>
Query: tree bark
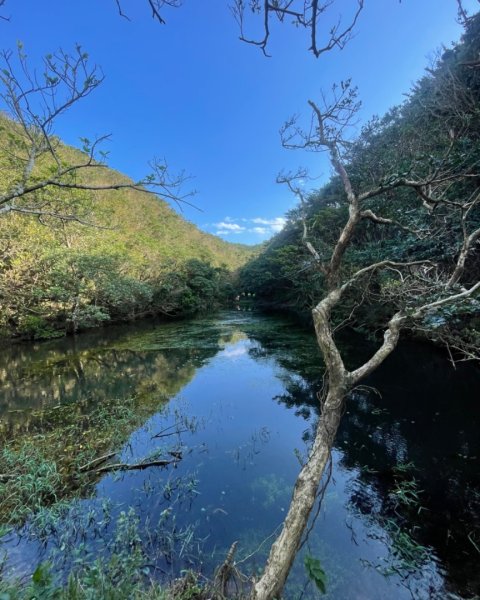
<point x="284" y="549"/>
<point x="340" y="382"/>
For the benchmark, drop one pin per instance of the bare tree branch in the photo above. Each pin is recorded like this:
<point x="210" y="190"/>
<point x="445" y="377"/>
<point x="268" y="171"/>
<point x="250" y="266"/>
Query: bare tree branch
<point x="156" y="8"/>
<point x="3" y="17"/>
<point x="469" y="240"/>
<point x="308" y="14"/>
<point x="36" y="158"/>
<point x="55" y="215"/>
<point x="463" y="17"/>
<point x="120" y="10"/>
<point x="294" y="181"/>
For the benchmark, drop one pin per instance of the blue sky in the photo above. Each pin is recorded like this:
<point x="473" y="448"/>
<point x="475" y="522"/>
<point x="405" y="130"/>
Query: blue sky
<point x="191" y="92"/>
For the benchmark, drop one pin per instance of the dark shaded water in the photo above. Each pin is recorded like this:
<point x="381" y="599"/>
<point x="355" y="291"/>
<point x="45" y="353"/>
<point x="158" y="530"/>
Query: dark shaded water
<point x="400" y="516"/>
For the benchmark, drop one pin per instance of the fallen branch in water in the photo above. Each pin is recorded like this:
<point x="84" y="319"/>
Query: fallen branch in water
<point x="136" y="466"/>
<point x="97" y="461"/>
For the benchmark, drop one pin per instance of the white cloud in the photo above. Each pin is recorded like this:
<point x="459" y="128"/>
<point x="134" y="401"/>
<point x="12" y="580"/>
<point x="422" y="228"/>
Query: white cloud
<point x="275" y="225"/>
<point x="268" y="221"/>
<point x="232" y="227"/>
<point x="227" y="232"/>
<point x="257" y="225"/>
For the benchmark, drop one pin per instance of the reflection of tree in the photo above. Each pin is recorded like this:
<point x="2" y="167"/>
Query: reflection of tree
<point x="155" y="363"/>
<point x="150" y="364"/>
<point x="435" y="400"/>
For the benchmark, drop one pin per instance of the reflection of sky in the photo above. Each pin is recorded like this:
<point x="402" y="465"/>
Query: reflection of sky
<point x="240" y="448"/>
<point x="235" y="350"/>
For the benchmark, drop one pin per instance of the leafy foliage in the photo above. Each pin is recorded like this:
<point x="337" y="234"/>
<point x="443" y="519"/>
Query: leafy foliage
<point x="137" y="258"/>
<point x="438" y="126"/>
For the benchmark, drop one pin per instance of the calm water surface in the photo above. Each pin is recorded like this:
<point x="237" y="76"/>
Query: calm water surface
<point x="242" y="407"/>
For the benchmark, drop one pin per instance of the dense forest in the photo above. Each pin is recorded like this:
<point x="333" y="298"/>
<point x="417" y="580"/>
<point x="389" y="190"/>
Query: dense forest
<point x="125" y="255"/>
<point x="437" y="126"/>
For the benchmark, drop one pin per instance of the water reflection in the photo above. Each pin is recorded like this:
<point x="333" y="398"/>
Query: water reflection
<point x="416" y="410"/>
<point x="119" y="362"/>
<point x="243" y="392"/>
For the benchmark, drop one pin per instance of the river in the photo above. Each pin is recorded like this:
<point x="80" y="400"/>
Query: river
<point x="232" y="400"/>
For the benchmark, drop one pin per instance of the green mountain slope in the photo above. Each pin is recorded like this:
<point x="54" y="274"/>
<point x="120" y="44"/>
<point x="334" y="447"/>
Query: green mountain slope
<point x="139" y="258"/>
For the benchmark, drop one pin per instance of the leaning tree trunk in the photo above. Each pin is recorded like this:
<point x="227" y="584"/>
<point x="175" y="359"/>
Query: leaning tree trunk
<point x="284" y="549"/>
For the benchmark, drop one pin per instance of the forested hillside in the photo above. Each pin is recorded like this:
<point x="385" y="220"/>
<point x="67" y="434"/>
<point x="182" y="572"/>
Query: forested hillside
<point x="435" y="131"/>
<point x="124" y="254"/>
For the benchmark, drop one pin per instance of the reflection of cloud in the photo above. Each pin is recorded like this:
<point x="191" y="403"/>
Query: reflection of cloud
<point x="235" y="351"/>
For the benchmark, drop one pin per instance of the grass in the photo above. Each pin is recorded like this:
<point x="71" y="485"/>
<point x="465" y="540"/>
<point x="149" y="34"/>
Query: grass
<point x="105" y="582"/>
<point x="42" y="478"/>
<point x="121" y="572"/>
<point x="99" y="581"/>
<point x="42" y="469"/>
<point x="406" y="554"/>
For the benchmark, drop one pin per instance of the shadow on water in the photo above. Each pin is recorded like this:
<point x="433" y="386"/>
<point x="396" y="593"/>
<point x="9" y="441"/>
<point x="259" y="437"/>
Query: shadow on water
<point x="400" y="517"/>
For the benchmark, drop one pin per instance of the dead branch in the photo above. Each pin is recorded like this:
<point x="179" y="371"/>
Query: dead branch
<point x="307" y="14"/>
<point x="370" y="215"/>
<point x="34" y="102"/>
<point x="136" y="466"/>
<point x="463" y="17"/>
<point x="469" y="240"/>
<point x="156" y="8"/>
<point x="294" y="182"/>
<point x="228" y="574"/>
<point x="158" y="435"/>
<point x="97" y="461"/>
<point x="3" y="17"/>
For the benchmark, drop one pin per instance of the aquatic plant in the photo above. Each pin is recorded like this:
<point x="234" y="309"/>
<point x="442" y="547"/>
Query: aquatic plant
<point x="41" y="469"/>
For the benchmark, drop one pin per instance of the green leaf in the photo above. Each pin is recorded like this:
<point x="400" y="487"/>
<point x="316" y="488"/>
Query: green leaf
<point x="316" y="573"/>
<point x="41" y="575"/>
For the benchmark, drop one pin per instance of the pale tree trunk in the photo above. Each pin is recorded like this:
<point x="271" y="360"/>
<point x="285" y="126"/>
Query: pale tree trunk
<point x="284" y="549"/>
<point x="340" y="382"/>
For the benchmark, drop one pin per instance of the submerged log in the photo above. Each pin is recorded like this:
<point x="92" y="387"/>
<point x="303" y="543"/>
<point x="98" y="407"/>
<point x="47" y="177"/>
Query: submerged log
<point x="97" y="461"/>
<point x="135" y="466"/>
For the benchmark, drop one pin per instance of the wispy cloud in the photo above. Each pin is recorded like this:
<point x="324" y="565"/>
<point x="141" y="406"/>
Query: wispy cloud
<point x="256" y="225"/>
<point x="226" y="227"/>
<point x="230" y="226"/>
<point x="276" y="224"/>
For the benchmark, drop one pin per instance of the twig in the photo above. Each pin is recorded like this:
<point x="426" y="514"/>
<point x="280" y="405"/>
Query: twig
<point x="136" y="466"/>
<point x="159" y="435"/>
<point x="97" y="461"/>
